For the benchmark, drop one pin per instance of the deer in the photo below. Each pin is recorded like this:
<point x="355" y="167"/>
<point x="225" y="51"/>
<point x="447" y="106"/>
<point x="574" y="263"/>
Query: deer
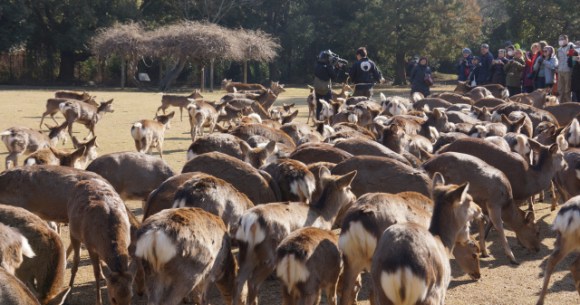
<point x="537" y="98"/>
<point x="53" y="156"/>
<point x="256" y="184"/>
<point x="90" y="154"/>
<point x="43" y="273"/>
<point x="244" y="132"/>
<point x="319" y="152"/>
<point x="499" y="204"/>
<point x="233" y="114"/>
<point x="263" y="227"/>
<point x="178" y="101"/>
<point x="564" y="113"/>
<point x="277" y="88"/>
<point x="132" y="174"/>
<point x="371" y="214"/>
<point x="230" y="86"/>
<point x="52" y="104"/>
<point x="526" y="180"/>
<point x="84" y="114"/>
<point x="395" y="138"/>
<point x="498" y="91"/>
<point x="163" y="196"/>
<point x="202" y="114"/>
<point x="213" y="195"/>
<point x="567" y="241"/>
<point x="308" y="261"/>
<point x="233" y="146"/>
<point x="364" y="147"/>
<point x="21" y="140"/>
<point x="150" y="134"/>
<point x="13" y="248"/>
<point x="184" y="250"/>
<point x="411" y="263"/>
<point x="94" y="204"/>
<point x="295" y="181"/>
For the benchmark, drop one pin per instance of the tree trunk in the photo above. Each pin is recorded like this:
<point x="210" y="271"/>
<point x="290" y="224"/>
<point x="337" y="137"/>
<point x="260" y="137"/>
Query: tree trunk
<point x="211" y="62"/>
<point x="202" y="80"/>
<point x="172" y="75"/>
<point x="66" y="72"/>
<point x="400" y="64"/>
<point x="245" y="71"/>
<point x="123" y="73"/>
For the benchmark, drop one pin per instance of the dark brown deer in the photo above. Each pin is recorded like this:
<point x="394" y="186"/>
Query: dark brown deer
<point x="294" y="179"/>
<point x="45" y="272"/>
<point x="85" y="114"/>
<point x="319" y="152"/>
<point x="99" y="220"/>
<point x="149" y="134"/>
<point x="183" y="250"/>
<point x="163" y="197"/>
<point x="257" y="185"/>
<point x="177" y="101"/>
<point x="308" y="262"/>
<point x="564" y="113"/>
<point x="499" y="204"/>
<point x="133" y="175"/>
<point x="263" y="227"/>
<point x="363" y="147"/>
<point x="411" y="263"/>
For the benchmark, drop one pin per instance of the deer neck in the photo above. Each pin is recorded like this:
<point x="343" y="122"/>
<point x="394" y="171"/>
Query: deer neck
<point x="542" y="172"/>
<point x="326" y="208"/>
<point x="445" y="228"/>
<point x="513" y="216"/>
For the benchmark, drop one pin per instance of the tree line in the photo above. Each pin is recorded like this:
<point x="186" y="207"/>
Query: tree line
<point x="53" y="35"/>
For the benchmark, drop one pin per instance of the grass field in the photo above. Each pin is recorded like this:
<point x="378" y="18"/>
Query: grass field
<point x="501" y="283"/>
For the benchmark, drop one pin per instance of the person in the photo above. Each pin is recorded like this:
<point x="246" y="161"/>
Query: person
<point x="497" y="68"/>
<point x="529" y="75"/>
<point x="550" y="63"/>
<point x="564" y="71"/>
<point x="411" y="64"/>
<point x="486" y="61"/>
<point x="364" y="73"/>
<point x="511" y="52"/>
<point x="324" y="73"/>
<point x="464" y="67"/>
<point x="421" y="78"/>
<point x="474" y="75"/>
<point x="513" y="70"/>
<point x="574" y="63"/>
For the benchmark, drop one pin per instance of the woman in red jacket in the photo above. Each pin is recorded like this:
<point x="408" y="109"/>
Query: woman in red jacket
<point x="528" y="73"/>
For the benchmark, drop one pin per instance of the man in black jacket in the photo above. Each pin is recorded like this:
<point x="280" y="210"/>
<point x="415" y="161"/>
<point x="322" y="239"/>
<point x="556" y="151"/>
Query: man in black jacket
<point x="364" y="74"/>
<point x="324" y="73"/>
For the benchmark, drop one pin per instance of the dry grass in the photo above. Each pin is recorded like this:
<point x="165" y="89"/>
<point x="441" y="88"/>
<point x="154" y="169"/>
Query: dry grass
<point x="501" y="282"/>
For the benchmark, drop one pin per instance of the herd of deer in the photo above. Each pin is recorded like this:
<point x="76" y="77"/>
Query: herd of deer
<point x="402" y="178"/>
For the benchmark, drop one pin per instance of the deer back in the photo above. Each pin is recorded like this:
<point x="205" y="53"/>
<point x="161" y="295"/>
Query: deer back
<point x="319" y="152"/>
<point x="162" y="197"/>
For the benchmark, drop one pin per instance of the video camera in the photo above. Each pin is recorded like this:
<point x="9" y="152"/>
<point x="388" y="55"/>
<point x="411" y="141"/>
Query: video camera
<point x="329" y="57"/>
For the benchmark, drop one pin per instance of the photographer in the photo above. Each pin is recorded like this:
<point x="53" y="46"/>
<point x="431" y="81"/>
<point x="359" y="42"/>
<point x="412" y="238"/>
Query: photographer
<point x="325" y="71"/>
<point x="364" y="73"/>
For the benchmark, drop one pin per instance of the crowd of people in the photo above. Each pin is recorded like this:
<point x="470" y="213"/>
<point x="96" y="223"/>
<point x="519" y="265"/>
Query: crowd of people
<point x="543" y="66"/>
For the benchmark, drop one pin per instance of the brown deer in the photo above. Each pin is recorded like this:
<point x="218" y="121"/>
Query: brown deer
<point x="183" y="250"/>
<point x="53" y="156"/>
<point x="202" y="114"/>
<point x="150" y="134"/>
<point x="45" y="272"/>
<point x="257" y="185"/>
<point x="364" y="147"/>
<point x="411" y="263"/>
<point x="308" y="261"/>
<point x="564" y="113"/>
<point x="132" y="174"/>
<point x="230" y="86"/>
<point x="497" y="90"/>
<point x="14" y="292"/>
<point x="244" y="132"/>
<point x="90" y="147"/>
<point x="370" y="215"/>
<point x="163" y="196"/>
<point x="233" y="146"/>
<point x="537" y="98"/>
<point x="277" y="88"/>
<point x="83" y="113"/>
<point x="319" y="152"/>
<point x="52" y="104"/>
<point x="213" y="195"/>
<point x="536" y="115"/>
<point x="295" y="181"/>
<point x="13" y="248"/>
<point x="263" y="227"/>
<point x="499" y="204"/>
<point x="566" y="225"/>
<point x="177" y="101"/>
<point x="21" y="140"/>
<point x="95" y="204"/>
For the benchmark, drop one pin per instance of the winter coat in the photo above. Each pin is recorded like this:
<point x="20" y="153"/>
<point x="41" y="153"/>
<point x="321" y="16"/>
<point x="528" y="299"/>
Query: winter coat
<point x="528" y="74"/>
<point x="498" y="73"/>
<point x="474" y="75"/>
<point x="484" y="76"/>
<point x="575" y="66"/>
<point x="364" y="73"/>
<point x="513" y="70"/>
<point x="549" y="66"/>
<point x="464" y="68"/>
<point x="562" y="55"/>
<point x="418" y="79"/>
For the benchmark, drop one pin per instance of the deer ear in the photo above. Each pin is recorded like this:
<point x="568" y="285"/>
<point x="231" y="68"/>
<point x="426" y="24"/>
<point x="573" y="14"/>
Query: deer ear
<point x="535" y="145"/>
<point x="271" y="147"/>
<point x="345" y="180"/>
<point x="324" y="172"/>
<point x="554" y="148"/>
<point x="79" y="152"/>
<point x="171" y="115"/>
<point x="245" y="148"/>
<point x="438" y="180"/>
<point x="505" y="119"/>
<point x="461" y="191"/>
<point x="55" y="152"/>
<point x="530" y="217"/>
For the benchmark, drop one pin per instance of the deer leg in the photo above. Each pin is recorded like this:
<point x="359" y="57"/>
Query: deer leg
<point x="287" y="299"/>
<point x="482" y="234"/>
<point x="181" y="113"/>
<point x="348" y="281"/>
<point x="554" y="196"/>
<point x="495" y="217"/>
<point x="560" y="251"/>
<point x="11" y="160"/>
<point x="97" y="272"/>
<point x="138" y="145"/>
<point x="330" y="292"/>
<point x="531" y="204"/>
<point x="311" y="298"/>
<point x="70" y="129"/>
<point x="575" y="269"/>
<point x="247" y="265"/>
<point x="76" y="245"/>
<point x="160" y="148"/>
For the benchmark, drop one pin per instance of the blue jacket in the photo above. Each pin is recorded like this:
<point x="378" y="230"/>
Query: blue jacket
<point x="484" y="75"/>
<point x="418" y="79"/>
<point x="365" y="72"/>
<point x="464" y="68"/>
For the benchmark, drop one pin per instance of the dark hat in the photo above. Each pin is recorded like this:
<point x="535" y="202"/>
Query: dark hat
<point x="485" y="45"/>
<point x="476" y="58"/>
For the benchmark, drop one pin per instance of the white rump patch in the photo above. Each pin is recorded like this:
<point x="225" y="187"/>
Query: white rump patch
<point x="250" y="230"/>
<point x="568" y="221"/>
<point x="178" y="203"/>
<point x="136" y="131"/>
<point x="291" y="271"/>
<point x="574" y="138"/>
<point x="191" y="155"/>
<point x="26" y="248"/>
<point x="30" y="161"/>
<point x="358" y="244"/>
<point x="303" y="188"/>
<point x="415" y="288"/>
<point x="255" y="117"/>
<point x="156" y="247"/>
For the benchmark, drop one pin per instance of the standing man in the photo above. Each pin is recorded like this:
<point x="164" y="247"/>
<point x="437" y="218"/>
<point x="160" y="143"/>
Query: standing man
<point x="324" y="73"/>
<point x="564" y="71"/>
<point x="484" y="76"/>
<point x="364" y="73"/>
